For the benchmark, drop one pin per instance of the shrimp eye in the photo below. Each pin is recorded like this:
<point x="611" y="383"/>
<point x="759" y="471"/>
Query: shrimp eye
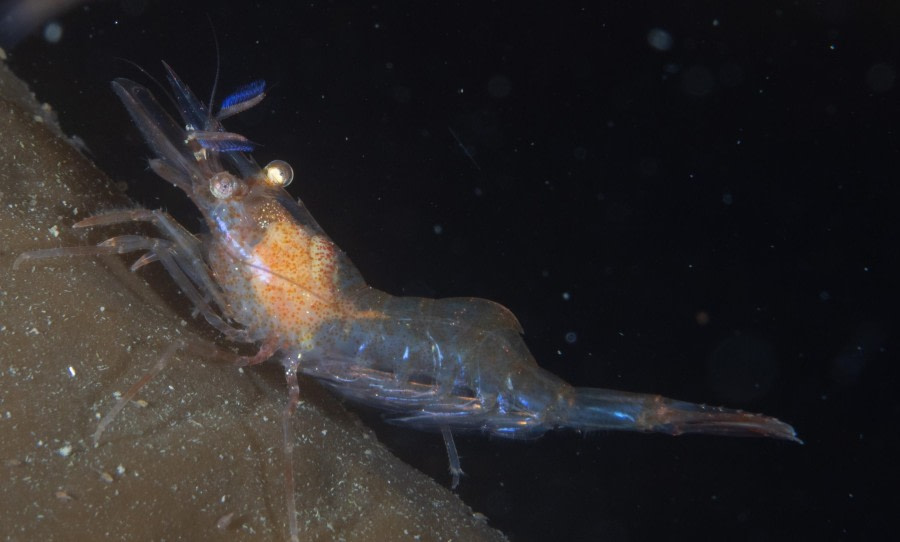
<point x="224" y="185"/>
<point x="279" y="173"/>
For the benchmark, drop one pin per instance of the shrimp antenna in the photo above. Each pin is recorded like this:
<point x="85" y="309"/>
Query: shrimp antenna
<point x="240" y="100"/>
<point x="212" y="94"/>
<point x="147" y="74"/>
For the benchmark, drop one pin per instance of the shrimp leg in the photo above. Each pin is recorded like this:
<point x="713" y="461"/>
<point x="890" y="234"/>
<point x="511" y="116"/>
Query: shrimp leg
<point x="180" y="257"/>
<point x="452" y="456"/>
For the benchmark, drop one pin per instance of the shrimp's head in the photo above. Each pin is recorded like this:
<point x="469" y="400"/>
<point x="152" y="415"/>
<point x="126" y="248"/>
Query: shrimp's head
<point x="239" y="208"/>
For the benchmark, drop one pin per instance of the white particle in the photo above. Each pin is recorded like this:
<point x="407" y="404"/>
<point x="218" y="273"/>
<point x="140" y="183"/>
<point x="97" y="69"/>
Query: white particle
<point x="71" y="371"/>
<point x="65" y="450"/>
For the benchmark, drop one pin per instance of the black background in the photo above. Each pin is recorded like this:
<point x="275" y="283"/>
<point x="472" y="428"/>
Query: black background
<point x="745" y="175"/>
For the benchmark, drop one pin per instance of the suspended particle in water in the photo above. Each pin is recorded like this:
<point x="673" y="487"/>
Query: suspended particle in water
<point x="571" y="337"/>
<point x="659" y="39"/>
<point x="702" y="318"/>
<point x="53" y="32"/>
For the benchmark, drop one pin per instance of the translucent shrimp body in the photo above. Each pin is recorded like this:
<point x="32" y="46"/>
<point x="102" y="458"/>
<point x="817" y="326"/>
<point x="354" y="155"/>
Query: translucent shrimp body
<point x="268" y="274"/>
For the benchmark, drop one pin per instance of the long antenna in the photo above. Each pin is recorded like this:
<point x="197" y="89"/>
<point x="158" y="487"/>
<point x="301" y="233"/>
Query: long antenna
<point x="212" y="94"/>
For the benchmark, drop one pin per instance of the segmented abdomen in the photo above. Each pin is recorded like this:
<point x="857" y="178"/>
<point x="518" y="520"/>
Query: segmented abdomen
<point x="459" y="362"/>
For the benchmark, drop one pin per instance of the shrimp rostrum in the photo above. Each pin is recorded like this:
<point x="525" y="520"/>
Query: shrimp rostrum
<point x="267" y="274"/>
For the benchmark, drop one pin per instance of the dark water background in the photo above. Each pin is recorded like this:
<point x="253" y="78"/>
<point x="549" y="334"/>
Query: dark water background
<point x="689" y="199"/>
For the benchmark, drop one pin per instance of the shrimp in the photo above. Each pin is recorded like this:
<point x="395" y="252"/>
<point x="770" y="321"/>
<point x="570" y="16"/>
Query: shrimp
<point x="267" y="274"/>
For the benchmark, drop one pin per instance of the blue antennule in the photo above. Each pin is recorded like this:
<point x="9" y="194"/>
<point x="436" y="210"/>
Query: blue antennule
<point x="242" y="99"/>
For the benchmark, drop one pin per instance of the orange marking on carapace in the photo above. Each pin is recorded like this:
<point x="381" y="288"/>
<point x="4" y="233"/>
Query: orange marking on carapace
<point x="301" y="292"/>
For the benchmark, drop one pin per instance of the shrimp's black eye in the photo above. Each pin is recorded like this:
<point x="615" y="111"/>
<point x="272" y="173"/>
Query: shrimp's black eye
<point x="279" y="173"/>
<point x="224" y="185"/>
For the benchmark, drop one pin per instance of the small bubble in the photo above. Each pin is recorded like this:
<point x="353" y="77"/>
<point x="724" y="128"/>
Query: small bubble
<point x="824" y="296"/>
<point x="438" y="229"/>
<point x="571" y="337"/>
<point x="566" y="296"/>
<point x="727" y="198"/>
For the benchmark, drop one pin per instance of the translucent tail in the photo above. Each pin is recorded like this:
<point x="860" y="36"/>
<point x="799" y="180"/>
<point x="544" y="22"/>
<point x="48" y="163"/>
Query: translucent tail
<point x="597" y="409"/>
